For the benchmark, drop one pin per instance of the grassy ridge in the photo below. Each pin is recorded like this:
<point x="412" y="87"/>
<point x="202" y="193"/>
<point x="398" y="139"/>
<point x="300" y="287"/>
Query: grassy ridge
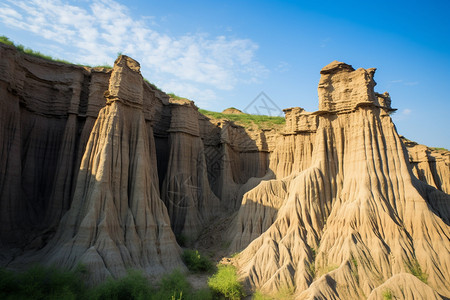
<point x="261" y="121"/>
<point x="21" y="48"/>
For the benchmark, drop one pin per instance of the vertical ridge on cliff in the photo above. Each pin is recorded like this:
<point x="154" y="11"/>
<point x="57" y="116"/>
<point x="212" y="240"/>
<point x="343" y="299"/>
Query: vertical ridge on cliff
<point x="117" y="220"/>
<point x="355" y="216"/>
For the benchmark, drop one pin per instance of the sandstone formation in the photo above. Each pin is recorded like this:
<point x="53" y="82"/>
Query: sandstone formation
<point x="186" y="190"/>
<point x="430" y="165"/>
<point x="348" y="213"/>
<point x="101" y="168"/>
<point x="232" y="111"/>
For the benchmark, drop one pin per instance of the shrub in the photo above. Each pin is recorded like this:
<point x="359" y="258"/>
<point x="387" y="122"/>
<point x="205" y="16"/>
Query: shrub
<point x="203" y="294"/>
<point x="387" y="294"/>
<point x="173" y="286"/>
<point x="416" y="270"/>
<point x="197" y="262"/>
<point x="5" y="40"/>
<point x="132" y="286"/>
<point x="258" y="295"/>
<point x="225" y="282"/>
<point x="41" y="282"/>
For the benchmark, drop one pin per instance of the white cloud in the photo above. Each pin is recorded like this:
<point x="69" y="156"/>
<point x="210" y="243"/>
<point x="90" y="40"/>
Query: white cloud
<point x="96" y="34"/>
<point x="407" y="83"/>
<point x="282" y="67"/>
<point x="402" y="115"/>
<point x="406" y="111"/>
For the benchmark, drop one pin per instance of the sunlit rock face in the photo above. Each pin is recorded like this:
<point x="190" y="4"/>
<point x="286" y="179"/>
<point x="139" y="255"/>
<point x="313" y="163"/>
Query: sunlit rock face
<point x="346" y="216"/>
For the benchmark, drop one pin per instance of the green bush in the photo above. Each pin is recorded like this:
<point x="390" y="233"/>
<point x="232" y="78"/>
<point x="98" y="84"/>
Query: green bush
<point x="5" y="40"/>
<point x="225" y="282"/>
<point x="174" y="285"/>
<point x="416" y="270"/>
<point x="197" y="262"/>
<point x="258" y="295"/>
<point x="51" y="283"/>
<point x="41" y="282"/>
<point x="132" y="286"/>
<point x="203" y="294"/>
<point x="387" y="294"/>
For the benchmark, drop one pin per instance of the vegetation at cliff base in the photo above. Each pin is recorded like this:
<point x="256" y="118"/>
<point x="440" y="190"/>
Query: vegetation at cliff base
<point x="197" y="262"/>
<point x="39" y="283"/>
<point x="225" y="283"/>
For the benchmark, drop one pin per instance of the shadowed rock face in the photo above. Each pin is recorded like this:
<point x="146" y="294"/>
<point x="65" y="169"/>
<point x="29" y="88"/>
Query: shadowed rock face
<point x="100" y="168"/>
<point x="116" y="219"/>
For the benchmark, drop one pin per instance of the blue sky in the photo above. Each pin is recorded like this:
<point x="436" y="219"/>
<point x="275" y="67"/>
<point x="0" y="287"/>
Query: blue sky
<point x="225" y="53"/>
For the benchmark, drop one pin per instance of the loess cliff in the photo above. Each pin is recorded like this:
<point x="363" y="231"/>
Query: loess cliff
<point x="101" y="168"/>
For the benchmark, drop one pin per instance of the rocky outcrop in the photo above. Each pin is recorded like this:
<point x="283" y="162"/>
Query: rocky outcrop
<point x="116" y="220"/>
<point x="232" y="111"/>
<point x="48" y="113"/>
<point x="186" y="189"/>
<point x="404" y="286"/>
<point x="40" y="141"/>
<point x="430" y="165"/>
<point x="353" y="215"/>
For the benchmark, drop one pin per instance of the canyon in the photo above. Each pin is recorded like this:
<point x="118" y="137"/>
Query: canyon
<point x="101" y="168"/>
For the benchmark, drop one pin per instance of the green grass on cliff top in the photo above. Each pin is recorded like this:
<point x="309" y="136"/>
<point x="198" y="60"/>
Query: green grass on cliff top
<point x="21" y="48"/>
<point x="261" y="121"/>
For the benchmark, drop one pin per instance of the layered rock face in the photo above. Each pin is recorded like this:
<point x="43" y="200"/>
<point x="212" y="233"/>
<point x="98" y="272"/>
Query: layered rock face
<point x="116" y="218"/>
<point x="45" y="106"/>
<point x="352" y="216"/>
<point x="430" y="165"/>
<point x="334" y="205"/>
<point x="186" y="190"/>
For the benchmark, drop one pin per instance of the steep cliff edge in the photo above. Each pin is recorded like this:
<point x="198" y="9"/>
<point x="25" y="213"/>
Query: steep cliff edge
<point x="353" y="215"/>
<point x="186" y="190"/>
<point x="430" y="165"/>
<point x="48" y="112"/>
<point x="116" y="219"/>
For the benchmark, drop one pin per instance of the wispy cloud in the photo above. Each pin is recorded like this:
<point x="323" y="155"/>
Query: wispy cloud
<point x="406" y="111"/>
<point x="402" y="115"/>
<point x="401" y="81"/>
<point x="96" y="33"/>
<point x="283" y="67"/>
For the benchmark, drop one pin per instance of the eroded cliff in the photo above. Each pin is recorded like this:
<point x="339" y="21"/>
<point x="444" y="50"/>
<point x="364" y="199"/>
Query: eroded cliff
<point x="352" y="215"/>
<point x="101" y="168"/>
